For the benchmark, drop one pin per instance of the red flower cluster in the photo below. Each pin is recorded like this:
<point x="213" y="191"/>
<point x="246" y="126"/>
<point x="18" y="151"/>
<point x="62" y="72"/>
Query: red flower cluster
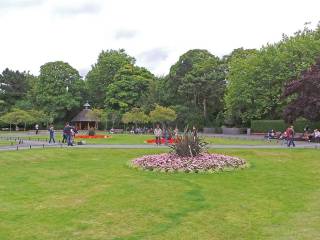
<point x="163" y="141"/>
<point x="95" y="136"/>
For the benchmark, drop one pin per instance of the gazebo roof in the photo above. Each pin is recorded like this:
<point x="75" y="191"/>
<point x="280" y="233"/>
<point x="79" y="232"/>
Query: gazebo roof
<point x="86" y="115"/>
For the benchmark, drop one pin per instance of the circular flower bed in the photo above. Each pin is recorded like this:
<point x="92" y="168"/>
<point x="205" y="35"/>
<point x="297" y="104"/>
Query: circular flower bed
<point x="204" y="162"/>
<point x="95" y="136"/>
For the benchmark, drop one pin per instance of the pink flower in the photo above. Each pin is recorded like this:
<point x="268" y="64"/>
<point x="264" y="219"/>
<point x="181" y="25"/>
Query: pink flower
<point x="204" y="161"/>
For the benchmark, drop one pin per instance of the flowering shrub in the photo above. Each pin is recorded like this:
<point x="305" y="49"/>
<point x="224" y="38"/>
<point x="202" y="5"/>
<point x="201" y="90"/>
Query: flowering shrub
<point x="174" y="162"/>
<point x="95" y="136"/>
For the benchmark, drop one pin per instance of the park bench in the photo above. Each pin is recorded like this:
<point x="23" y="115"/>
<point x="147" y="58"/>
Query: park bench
<point x="117" y="130"/>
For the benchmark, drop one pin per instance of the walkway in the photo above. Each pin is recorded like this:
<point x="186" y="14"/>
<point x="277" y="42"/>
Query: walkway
<point x="38" y="145"/>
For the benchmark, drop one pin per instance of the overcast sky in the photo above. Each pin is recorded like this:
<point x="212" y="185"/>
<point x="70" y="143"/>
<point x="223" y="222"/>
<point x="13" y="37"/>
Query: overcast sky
<point x="155" y="32"/>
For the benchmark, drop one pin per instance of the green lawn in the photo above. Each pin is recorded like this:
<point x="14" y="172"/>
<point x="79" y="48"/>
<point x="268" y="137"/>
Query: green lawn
<point x="93" y="194"/>
<point x="6" y="143"/>
<point x="238" y="141"/>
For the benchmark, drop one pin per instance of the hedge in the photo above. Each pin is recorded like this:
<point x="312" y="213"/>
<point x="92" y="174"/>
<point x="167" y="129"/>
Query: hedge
<point x="263" y="126"/>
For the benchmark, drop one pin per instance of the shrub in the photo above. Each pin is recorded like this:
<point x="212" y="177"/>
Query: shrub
<point x="280" y="125"/>
<point x="188" y="145"/>
<point x="91" y="132"/>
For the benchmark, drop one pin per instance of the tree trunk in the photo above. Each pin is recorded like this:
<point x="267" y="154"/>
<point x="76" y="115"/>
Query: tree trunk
<point x="205" y="109"/>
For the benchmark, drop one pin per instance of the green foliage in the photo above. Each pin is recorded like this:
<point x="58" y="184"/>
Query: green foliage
<point x="263" y="126"/>
<point x="114" y="116"/>
<point x="58" y="89"/>
<point x="129" y="85"/>
<point x="100" y="114"/>
<point x="162" y="114"/>
<point x="197" y="81"/>
<point x="188" y="114"/>
<point x="40" y="116"/>
<point x="256" y="78"/>
<point x="16" y="117"/>
<point x="13" y="87"/>
<point x="103" y="74"/>
<point x="135" y="116"/>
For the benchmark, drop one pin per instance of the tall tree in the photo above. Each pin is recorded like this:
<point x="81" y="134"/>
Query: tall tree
<point x="58" y="89"/>
<point x="162" y="114"/>
<point x="304" y="95"/>
<point x="256" y="80"/>
<point x="16" y="117"/>
<point x="103" y="73"/>
<point x="197" y="81"/>
<point x="13" y="87"/>
<point x="129" y="85"/>
<point x="135" y="116"/>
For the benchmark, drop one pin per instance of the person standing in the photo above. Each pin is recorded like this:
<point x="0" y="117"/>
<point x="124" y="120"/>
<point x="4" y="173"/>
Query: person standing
<point x="176" y="132"/>
<point x="158" y="134"/>
<point x="166" y="135"/>
<point x="51" y="133"/>
<point x="37" y="128"/>
<point x="290" y="136"/>
<point x="68" y="133"/>
<point x="64" y="134"/>
<point x="316" y="136"/>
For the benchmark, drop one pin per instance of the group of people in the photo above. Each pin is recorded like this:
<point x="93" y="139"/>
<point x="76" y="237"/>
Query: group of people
<point x="287" y="136"/>
<point x="167" y="133"/>
<point x="141" y="130"/>
<point x="312" y="136"/>
<point x="68" y="134"/>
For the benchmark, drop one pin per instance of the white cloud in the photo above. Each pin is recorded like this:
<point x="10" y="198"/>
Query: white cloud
<point x="155" y="32"/>
<point x="5" y="4"/>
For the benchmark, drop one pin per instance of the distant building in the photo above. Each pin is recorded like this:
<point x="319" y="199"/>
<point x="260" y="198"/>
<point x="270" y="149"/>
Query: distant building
<point x="86" y="119"/>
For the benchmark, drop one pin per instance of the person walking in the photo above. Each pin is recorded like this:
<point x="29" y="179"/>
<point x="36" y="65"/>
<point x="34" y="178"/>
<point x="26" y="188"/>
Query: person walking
<point x="158" y="134"/>
<point x="51" y="133"/>
<point x="290" y="136"/>
<point x="166" y="135"/>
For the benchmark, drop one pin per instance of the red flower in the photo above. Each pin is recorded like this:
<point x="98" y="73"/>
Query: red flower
<point x="95" y="136"/>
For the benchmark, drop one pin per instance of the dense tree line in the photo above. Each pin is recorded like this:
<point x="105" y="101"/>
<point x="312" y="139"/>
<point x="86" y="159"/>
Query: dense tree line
<point x="257" y="78"/>
<point x="201" y="88"/>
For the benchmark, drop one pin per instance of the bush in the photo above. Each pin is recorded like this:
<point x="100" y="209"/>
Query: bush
<point x="263" y="126"/>
<point x="188" y="145"/>
<point x="91" y="132"/>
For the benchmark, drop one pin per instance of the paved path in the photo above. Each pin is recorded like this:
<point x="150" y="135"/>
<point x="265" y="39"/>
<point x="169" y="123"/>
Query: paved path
<point x="39" y="144"/>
